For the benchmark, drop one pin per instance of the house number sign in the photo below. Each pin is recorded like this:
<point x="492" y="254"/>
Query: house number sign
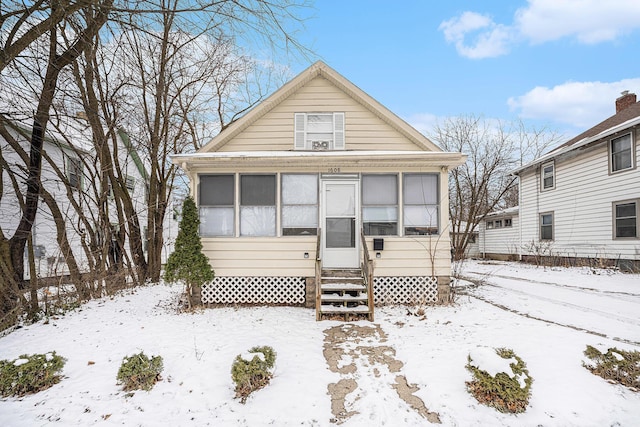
<point x="333" y="170"/>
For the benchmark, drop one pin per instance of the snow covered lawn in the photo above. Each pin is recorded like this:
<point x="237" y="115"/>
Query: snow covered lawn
<point x="547" y="316"/>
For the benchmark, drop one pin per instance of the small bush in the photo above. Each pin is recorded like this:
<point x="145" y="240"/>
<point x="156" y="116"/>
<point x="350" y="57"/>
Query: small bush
<point x="30" y="374"/>
<point x="254" y="374"/>
<point x="138" y="372"/>
<point x="504" y="391"/>
<point x="615" y="365"/>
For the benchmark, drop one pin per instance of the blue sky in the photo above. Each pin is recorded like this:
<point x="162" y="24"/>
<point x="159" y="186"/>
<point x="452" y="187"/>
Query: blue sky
<point x="559" y="63"/>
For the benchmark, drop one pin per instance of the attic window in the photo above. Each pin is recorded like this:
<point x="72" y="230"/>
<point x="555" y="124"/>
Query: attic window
<point x="319" y="131"/>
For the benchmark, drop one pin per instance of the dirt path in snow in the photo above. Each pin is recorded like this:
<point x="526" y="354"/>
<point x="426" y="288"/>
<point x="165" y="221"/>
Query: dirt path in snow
<point x="358" y="354"/>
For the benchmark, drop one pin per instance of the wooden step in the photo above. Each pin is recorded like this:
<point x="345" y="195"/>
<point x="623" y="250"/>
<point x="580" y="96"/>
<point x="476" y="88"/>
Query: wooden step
<point x="342" y="298"/>
<point x="359" y="309"/>
<point x="347" y="287"/>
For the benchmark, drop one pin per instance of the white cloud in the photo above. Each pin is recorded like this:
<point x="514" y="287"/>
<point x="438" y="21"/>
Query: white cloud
<point x="588" y="21"/>
<point x="491" y="39"/>
<point x="580" y="104"/>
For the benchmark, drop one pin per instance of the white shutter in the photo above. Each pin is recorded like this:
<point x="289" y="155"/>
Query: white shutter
<point x="338" y="131"/>
<point x="300" y="143"/>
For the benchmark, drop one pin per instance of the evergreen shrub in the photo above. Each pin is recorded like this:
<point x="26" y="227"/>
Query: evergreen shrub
<point x="506" y="392"/>
<point x="138" y="372"/>
<point x="620" y="366"/>
<point x="187" y="263"/>
<point x="30" y="374"/>
<point x="254" y="374"/>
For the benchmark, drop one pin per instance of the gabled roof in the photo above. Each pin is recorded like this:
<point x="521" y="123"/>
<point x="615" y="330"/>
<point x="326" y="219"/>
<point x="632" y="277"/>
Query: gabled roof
<point x="619" y="122"/>
<point x="323" y="70"/>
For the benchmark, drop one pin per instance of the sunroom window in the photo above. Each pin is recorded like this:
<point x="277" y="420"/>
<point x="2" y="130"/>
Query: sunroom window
<point x="380" y="205"/>
<point x="421" y="204"/>
<point x="257" y="205"/>
<point x="319" y="131"/>
<point x="299" y="205"/>
<point x="216" y="204"/>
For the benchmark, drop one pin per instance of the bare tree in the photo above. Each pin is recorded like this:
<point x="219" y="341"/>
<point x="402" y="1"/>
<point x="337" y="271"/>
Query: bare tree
<point x="483" y="184"/>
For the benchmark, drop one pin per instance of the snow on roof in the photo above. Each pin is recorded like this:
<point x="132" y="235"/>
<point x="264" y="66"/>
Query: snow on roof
<point x="563" y="150"/>
<point x="334" y="153"/>
<point x="508" y="211"/>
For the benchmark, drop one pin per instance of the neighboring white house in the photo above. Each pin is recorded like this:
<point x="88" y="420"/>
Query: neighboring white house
<point x="499" y="235"/>
<point x="73" y="154"/>
<point x="301" y="177"/>
<point x="582" y="199"/>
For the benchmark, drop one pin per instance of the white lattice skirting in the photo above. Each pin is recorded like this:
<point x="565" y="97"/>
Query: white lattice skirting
<point x="410" y="290"/>
<point x="254" y="290"/>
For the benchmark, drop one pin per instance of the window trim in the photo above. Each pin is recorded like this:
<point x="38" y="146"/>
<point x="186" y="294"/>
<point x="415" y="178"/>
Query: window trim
<point x="632" y="152"/>
<point x="614" y="218"/>
<point x="552" y="225"/>
<point x="553" y="176"/>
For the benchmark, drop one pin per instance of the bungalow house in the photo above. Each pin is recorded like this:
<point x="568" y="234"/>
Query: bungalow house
<point x="582" y="199"/>
<point x="320" y="180"/>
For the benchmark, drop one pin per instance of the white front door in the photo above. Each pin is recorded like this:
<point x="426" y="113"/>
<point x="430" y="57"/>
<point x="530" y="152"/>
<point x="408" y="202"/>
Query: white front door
<point x="340" y="224"/>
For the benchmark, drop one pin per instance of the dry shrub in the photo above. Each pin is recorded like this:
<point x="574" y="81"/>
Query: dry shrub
<point x="619" y="366"/>
<point x="30" y="374"/>
<point x="504" y="391"/>
<point x="254" y="374"/>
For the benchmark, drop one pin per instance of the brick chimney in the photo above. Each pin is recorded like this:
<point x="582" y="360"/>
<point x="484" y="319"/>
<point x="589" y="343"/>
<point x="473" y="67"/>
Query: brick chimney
<point x="625" y="101"/>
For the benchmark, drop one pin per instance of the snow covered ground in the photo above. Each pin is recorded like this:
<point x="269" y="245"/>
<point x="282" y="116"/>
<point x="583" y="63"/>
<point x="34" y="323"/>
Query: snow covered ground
<point x="547" y="316"/>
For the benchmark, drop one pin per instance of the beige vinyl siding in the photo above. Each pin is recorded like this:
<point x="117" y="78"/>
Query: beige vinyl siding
<point x="412" y="255"/>
<point x="261" y="256"/>
<point x="500" y="241"/>
<point x="275" y="130"/>
<point x="284" y="256"/>
<point x="582" y="206"/>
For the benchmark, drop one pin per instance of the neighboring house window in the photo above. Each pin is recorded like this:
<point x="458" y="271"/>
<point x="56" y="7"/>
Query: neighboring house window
<point x="319" y="131"/>
<point x="548" y="176"/>
<point x="489" y="224"/>
<point x="74" y="172"/>
<point x="625" y="219"/>
<point x="621" y="150"/>
<point x="257" y="205"/>
<point x="380" y="205"/>
<point x="498" y="223"/>
<point x="508" y="222"/>
<point x="216" y="205"/>
<point x="420" y="204"/>
<point x="130" y="183"/>
<point x="299" y="205"/>
<point x="546" y="226"/>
